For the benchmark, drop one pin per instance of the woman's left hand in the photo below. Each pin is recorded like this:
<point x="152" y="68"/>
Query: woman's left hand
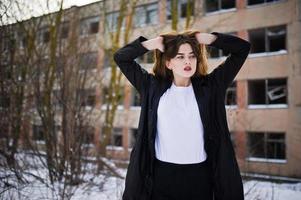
<point x="205" y="38"/>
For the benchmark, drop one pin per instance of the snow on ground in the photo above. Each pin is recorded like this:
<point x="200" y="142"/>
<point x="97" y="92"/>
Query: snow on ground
<point x="263" y="190"/>
<point x="111" y="188"/>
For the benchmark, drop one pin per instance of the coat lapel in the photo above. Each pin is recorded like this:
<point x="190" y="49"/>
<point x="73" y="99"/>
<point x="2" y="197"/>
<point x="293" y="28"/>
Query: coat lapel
<point x="202" y="98"/>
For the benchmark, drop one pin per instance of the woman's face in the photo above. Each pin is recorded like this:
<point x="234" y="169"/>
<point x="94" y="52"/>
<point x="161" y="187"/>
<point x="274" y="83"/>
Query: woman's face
<point x="183" y="65"/>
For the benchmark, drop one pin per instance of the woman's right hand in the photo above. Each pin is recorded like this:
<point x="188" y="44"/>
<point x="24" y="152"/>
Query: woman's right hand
<point x="155" y="43"/>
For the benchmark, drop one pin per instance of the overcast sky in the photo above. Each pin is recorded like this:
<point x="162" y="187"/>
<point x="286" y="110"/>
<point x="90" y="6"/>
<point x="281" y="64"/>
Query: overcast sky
<point x="25" y="9"/>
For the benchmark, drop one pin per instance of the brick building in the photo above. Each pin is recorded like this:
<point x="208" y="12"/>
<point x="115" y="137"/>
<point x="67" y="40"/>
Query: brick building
<point x="264" y="101"/>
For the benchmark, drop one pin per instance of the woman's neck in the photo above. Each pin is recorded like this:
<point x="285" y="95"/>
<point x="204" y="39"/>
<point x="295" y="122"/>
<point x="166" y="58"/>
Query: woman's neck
<point x="183" y="82"/>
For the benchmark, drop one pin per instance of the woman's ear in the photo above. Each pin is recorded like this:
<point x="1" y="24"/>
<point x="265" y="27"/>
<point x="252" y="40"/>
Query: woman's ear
<point x="167" y="64"/>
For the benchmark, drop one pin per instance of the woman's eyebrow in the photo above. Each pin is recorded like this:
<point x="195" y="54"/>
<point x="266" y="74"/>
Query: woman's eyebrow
<point x="184" y="53"/>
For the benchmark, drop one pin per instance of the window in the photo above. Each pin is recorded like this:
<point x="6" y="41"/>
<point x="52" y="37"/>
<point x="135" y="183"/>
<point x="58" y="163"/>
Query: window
<point x="88" y="60"/>
<point x="267" y="92"/>
<point x="105" y="96"/>
<point x="268" y="39"/>
<point x="215" y="52"/>
<point x="116" y="139"/>
<point x="216" y="5"/>
<point x="183" y="6"/>
<point x="22" y="41"/>
<point x="4" y="100"/>
<point x="88" y="134"/>
<point x="254" y="2"/>
<point x="230" y="98"/>
<point x="89" y="26"/>
<point x="38" y="133"/>
<point x="135" y="98"/>
<point x="146" y="15"/>
<point x="87" y="97"/>
<point x="4" y="131"/>
<point x="266" y="145"/>
<point x="5" y="72"/>
<point x="133" y="137"/>
<point x="64" y="30"/>
<point x="5" y="44"/>
<point x="43" y="35"/>
<point x="112" y="21"/>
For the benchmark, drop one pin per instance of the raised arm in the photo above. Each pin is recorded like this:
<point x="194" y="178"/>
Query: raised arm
<point x="125" y="59"/>
<point x="239" y="49"/>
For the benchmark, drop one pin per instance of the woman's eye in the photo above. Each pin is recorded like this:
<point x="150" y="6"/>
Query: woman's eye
<point x="192" y="56"/>
<point x="180" y="57"/>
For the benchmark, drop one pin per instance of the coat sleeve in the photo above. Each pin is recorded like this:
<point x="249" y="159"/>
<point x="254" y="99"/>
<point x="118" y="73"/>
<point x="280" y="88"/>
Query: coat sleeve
<point x="125" y="59"/>
<point x="238" y="48"/>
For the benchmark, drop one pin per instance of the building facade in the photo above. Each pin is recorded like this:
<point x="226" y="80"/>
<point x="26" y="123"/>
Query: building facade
<point x="264" y="101"/>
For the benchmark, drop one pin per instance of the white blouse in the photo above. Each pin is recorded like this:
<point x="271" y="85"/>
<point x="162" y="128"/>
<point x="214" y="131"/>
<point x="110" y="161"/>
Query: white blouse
<point x="180" y="133"/>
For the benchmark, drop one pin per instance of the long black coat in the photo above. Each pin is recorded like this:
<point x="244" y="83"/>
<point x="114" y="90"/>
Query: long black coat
<point x="210" y="94"/>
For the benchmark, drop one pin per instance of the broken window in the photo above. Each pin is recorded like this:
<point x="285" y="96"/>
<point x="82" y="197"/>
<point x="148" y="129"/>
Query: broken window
<point x="215" y="52"/>
<point x="116" y="137"/>
<point x="267" y="92"/>
<point x="266" y="145"/>
<point x="146" y="15"/>
<point x="88" y="60"/>
<point x="268" y="39"/>
<point x="276" y="91"/>
<point x="89" y="26"/>
<point x="230" y="98"/>
<point x="254" y="2"/>
<point x="215" y="5"/>
<point x="135" y="98"/>
<point x="183" y="6"/>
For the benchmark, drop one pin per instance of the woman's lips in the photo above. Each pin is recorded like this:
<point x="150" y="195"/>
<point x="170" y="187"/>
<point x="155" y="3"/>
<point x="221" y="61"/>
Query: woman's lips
<point x="187" y="68"/>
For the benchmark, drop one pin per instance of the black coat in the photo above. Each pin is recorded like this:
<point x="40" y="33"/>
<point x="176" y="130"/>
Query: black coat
<point x="210" y="94"/>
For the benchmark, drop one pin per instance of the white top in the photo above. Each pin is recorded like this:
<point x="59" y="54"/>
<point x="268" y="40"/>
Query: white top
<point x="180" y="133"/>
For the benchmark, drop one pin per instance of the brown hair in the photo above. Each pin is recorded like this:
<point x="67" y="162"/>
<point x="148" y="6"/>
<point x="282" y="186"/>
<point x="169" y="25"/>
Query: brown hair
<point x="172" y="42"/>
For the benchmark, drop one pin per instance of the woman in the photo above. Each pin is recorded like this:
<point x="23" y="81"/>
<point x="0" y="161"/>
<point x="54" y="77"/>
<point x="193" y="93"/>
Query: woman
<point x="183" y="149"/>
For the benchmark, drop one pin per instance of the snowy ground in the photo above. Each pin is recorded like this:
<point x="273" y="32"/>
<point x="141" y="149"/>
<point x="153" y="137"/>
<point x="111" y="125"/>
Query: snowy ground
<point x="254" y="190"/>
<point x="262" y="190"/>
<point x="113" y="187"/>
<point x="102" y="187"/>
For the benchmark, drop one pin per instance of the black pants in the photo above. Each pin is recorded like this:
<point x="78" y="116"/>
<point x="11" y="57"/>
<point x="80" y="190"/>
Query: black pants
<point x="182" y="181"/>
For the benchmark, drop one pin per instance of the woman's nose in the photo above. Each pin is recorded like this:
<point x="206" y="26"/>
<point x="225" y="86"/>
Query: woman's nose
<point x="187" y="61"/>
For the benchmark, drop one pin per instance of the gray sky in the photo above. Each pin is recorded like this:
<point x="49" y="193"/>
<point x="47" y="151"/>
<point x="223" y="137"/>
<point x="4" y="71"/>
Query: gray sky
<point x="25" y="9"/>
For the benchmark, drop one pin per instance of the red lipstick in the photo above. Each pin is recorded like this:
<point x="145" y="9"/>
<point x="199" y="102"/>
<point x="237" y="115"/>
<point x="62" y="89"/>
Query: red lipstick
<point x="187" y="68"/>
